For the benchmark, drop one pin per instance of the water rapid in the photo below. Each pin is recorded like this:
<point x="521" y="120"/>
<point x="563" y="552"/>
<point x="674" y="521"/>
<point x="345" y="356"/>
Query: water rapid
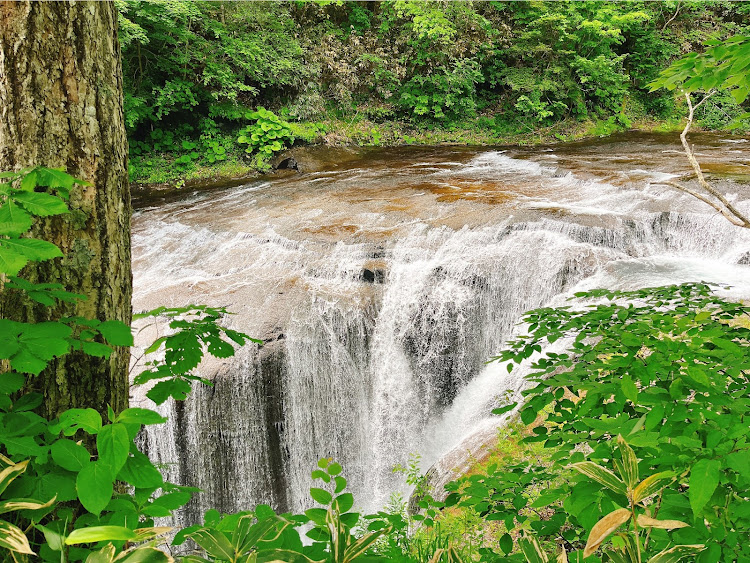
<point x="384" y="280"/>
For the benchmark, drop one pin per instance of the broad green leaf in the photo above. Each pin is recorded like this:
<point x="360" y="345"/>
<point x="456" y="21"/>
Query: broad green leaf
<point x="116" y="333"/>
<point x="69" y="455"/>
<point x="96" y="349"/>
<point x="704" y="478"/>
<point x="321" y="496"/>
<point x="11" y="261"/>
<point x="99" y="533"/>
<point x="140" y="472"/>
<point x="55" y="540"/>
<point x="14" y="221"/>
<point x="72" y="420"/>
<point x="95" y="486"/>
<point x="113" y="445"/>
<point x="344" y="502"/>
<point x="140" y="416"/>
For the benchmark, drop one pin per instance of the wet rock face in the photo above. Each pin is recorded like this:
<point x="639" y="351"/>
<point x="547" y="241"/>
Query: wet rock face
<point x="372" y="276"/>
<point x="745" y="259"/>
<point x="288" y="164"/>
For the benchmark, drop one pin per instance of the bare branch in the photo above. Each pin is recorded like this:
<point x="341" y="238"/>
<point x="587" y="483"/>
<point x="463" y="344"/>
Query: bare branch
<point x="732" y="219"/>
<point x="738" y="218"/>
<point x="670" y="20"/>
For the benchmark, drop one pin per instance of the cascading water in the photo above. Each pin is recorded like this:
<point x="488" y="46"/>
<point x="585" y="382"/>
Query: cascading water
<point x="382" y="286"/>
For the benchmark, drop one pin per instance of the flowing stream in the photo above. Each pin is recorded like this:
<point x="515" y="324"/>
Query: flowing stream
<point x="382" y="280"/>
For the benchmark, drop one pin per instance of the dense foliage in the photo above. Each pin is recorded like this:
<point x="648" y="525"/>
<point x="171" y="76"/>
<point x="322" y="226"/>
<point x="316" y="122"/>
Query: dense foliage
<point x="195" y="70"/>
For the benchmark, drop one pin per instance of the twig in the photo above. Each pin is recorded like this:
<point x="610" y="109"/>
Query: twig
<point x="744" y="221"/>
<point x="670" y="20"/>
<point x="729" y="211"/>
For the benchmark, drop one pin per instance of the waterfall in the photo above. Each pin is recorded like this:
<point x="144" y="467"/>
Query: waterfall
<point x="381" y="290"/>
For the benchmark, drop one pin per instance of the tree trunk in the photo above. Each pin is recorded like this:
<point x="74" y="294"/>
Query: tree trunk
<point x="61" y="106"/>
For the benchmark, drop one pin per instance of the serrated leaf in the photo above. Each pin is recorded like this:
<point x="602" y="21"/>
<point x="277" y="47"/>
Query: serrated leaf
<point x="31" y="248"/>
<point x="14" y="221"/>
<point x="41" y="204"/>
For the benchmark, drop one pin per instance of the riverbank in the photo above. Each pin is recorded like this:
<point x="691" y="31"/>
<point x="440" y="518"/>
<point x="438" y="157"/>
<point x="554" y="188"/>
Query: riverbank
<point x="166" y="172"/>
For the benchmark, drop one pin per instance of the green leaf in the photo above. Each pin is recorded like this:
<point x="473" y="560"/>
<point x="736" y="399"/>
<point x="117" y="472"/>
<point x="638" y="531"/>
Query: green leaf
<point x="140" y="472"/>
<point x="140" y="416"/>
<point x="116" y="333"/>
<point x="145" y="555"/>
<point x="113" y="444"/>
<point x="54" y="539"/>
<point x="96" y="349"/>
<point x="41" y="204"/>
<point x="506" y="543"/>
<point x="95" y="486"/>
<point x="69" y="455"/>
<point x="72" y="420"/>
<point x="14" y="221"/>
<point x="11" y="262"/>
<point x="99" y="533"/>
<point x="321" y="496"/>
<point x="344" y="502"/>
<point x="32" y="249"/>
<point x="704" y="478"/>
<point x="215" y="543"/>
<point x="176" y="388"/>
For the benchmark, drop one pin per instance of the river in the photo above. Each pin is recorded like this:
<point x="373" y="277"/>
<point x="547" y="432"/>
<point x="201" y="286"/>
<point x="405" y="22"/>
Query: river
<point x="382" y="280"/>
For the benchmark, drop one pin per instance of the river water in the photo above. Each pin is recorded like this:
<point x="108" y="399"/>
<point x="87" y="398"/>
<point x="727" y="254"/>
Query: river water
<point x="382" y="280"/>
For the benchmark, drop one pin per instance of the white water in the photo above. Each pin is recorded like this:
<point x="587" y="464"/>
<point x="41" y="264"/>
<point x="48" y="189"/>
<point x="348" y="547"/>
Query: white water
<point x="368" y="368"/>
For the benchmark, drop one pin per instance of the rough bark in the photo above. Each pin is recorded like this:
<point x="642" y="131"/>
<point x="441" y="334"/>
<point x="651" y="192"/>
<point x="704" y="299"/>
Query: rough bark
<point x="61" y="106"/>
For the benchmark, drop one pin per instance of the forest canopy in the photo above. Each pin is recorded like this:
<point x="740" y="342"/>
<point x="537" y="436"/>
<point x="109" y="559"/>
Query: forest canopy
<point x="194" y="71"/>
